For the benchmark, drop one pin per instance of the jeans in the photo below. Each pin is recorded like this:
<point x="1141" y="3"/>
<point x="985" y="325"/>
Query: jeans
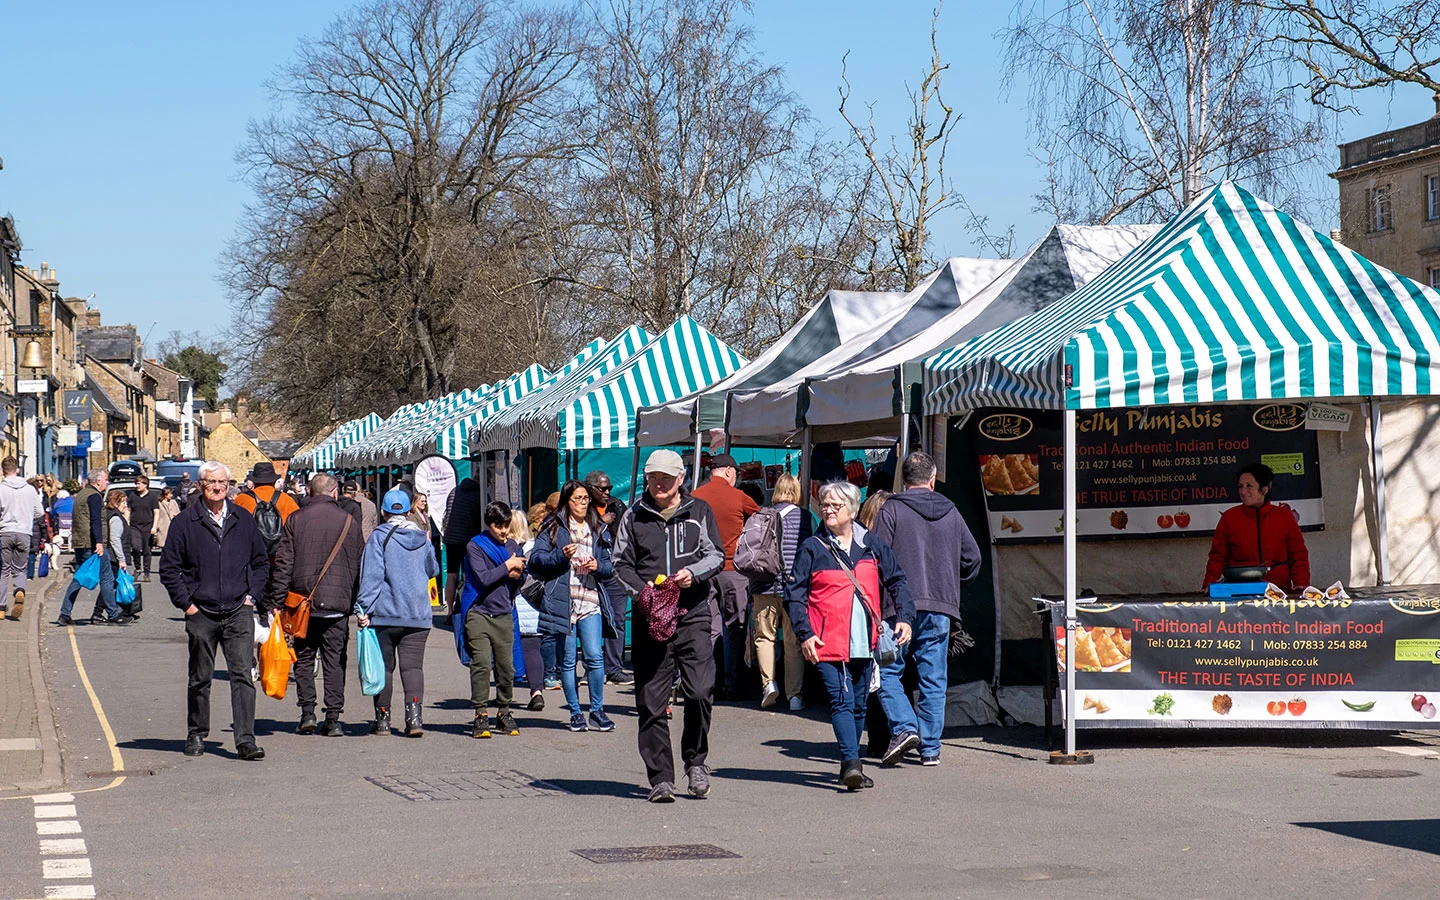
<point x="138" y="541"/>
<point x="848" y="684"/>
<point x="105" y="598"/>
<point x="928" y="646"/>
<point x="590" y="631"/>
<point x="329" y="637"/>
<point x="14" y="553"/>
<point x="233" y="632"/>
<point x="550" y="656"/>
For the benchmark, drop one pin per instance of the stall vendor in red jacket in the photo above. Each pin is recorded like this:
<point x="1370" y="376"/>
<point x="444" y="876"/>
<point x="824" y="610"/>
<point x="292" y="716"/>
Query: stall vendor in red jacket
<point x="1259" y="533"/>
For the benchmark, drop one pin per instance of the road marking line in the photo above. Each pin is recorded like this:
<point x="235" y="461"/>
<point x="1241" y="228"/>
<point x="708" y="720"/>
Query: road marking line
<point x="61" y="811"/>
<point x="116" y="763"/>
<point x="54" y="798"/>
<point x="66" y="868"/>
<point x="59" y="826"/>
<point x="1425" y="752"/>
<point x="69" y="892"/>
<point x="63" y="847"/>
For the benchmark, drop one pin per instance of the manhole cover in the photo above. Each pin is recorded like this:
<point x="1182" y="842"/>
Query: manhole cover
<point x="500" y="785"/>
<point x="1378" y="773"/>
<point x="659" y="853"/>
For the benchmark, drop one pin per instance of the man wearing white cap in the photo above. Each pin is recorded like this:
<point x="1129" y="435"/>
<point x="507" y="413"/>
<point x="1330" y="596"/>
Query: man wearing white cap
<point x="669" y="533"/>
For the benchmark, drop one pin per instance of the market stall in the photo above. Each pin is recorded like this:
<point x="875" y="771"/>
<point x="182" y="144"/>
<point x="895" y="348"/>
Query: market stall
<point x="1231" y="302"/>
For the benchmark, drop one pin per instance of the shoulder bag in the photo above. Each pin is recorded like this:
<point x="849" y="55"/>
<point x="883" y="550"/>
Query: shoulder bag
<point x="295" y="615"/>
<point x="887" y="651"/>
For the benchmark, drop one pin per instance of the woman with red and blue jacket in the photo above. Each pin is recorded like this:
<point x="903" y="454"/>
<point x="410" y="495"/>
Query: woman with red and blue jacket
<point x="833" y="598"/>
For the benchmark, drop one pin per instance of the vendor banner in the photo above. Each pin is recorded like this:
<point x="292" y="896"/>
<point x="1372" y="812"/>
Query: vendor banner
<point x="1141" y="472"/>
<point x="1333" y="661"/>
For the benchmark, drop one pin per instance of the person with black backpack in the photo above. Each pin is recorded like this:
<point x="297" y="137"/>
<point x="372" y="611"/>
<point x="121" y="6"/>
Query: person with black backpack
<point x="270" y="506"/>
<point x="766" y="554"/>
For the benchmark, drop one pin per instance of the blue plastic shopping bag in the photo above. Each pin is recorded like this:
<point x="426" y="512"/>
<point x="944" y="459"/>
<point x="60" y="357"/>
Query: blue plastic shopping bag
<point x="88" y="575"/>
<point x="372" y="664"/>
<point x="124" y="588"/>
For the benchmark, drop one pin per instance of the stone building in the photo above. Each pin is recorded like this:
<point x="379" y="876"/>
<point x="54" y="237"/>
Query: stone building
<point x="114" y="363"/>
<point x="1390" y="198"/>
<point x="226" y="443"/>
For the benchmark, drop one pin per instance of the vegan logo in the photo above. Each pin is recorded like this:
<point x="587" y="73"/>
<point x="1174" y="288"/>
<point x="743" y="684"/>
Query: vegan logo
<point x="1280" y="417"/>
<point x="1006" y="427"/>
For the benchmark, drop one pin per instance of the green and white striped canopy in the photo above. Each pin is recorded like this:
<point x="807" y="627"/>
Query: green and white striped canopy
<point x="371" y="450"/>
<point x="408" y="442"/>
<point x="322" y="456"/>
<point x="679" y="361"/>
<point x="1232" y="300"/>
<point x="505" y="431"/>
<point x="453" y="439"/>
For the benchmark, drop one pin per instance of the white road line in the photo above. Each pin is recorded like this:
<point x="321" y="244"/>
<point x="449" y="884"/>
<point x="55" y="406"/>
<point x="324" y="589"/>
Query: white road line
<point x="69" y="892"/>
<point x="65" y="868"/>
<point x="59" y="811"/>
<point x="62" y="847"/>
<point x="54" y="798"/>
<point x="57" y="826"/>
<point x="1420" y="752"/>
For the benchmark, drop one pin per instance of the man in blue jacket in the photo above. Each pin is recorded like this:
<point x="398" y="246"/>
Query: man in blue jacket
<point x="939" y="555"/>
<point x="214" y="567"/>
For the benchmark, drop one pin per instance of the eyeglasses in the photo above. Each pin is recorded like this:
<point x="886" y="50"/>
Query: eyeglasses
<point x="832" y="507"/>
<point x="579" y="499"/>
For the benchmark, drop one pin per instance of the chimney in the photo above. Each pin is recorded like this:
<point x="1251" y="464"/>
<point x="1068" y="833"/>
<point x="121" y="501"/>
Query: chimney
<point x="242" y="408"/>
<point x="92" y="317"/>
<point x="226" y="415"/>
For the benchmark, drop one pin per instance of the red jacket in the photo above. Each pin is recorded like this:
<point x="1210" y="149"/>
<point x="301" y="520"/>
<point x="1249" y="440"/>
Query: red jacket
<point x="1275" y="531"/>
<point x="819" y="595"/>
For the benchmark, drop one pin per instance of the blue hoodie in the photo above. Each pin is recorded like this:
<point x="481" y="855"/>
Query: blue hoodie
<point x="395" y="573"/>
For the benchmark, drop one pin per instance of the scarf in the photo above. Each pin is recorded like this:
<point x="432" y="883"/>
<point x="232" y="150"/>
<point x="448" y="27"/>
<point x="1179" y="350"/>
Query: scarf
<point x="496" y="551"/>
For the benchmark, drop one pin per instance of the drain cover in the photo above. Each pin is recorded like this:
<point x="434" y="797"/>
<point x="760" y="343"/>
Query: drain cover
<point x="1378" y="773"/>
<point x="500" y="785"/>
<point x="659" y="853"/>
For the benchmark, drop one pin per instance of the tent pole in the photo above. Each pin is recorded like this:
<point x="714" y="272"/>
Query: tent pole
<point x="904" y="451"/>
<point x="1377" y="457"/>
<point x="695" y="477"/>
<point x="484" y="480"/>
<point x="634" y="472"/>
<point x="1071" y="588"/>
<point x="805" y="453"/>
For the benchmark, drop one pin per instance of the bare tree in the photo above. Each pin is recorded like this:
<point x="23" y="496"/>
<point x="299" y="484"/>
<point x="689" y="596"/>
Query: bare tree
<point x="1352" y="45"/>
<point x="911" y="186"/>
<point x="1138" y="105"/>
<point x="383" y="255"/>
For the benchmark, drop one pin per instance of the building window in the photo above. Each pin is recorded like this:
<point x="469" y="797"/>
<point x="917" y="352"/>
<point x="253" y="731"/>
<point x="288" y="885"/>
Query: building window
<point x="1432" y="197"/>
<point x="1433" y="277"/>
<point x="1380" y="208"/>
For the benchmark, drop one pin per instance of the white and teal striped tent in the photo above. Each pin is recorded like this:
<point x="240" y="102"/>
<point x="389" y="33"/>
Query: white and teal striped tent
<point x="450" y="435"/>
<point x="322" y="457"/>
<point x="401" y="447"/>
<point x="679" y="361"/>
<point x="369" y="451"/>
<point x="504" y="431"/>
<point x="1233" y="300"/>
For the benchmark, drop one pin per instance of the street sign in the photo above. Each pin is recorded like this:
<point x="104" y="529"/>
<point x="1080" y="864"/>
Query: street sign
<point x="78" y="405"/>
<point x="122" y="445"/>
<point x="32" y="386"/>
<point x="68" y="435"/>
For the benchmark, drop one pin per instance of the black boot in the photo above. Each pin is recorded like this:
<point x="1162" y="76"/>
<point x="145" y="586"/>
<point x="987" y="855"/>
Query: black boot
<point x="413" y="726"/>
<point x="307" y="723"/>
<point x="852" y="774"/>
<point x="331" y="726"/>
<point x="382" y="721"/>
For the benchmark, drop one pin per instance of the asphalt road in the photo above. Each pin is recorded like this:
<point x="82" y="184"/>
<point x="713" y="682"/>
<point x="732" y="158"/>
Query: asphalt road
<point x="1190" y="816"/>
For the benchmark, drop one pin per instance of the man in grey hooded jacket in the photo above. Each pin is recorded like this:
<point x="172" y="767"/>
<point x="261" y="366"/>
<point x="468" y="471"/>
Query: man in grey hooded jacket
<point x="934" y="547"/>
<point x="19" y="507"/>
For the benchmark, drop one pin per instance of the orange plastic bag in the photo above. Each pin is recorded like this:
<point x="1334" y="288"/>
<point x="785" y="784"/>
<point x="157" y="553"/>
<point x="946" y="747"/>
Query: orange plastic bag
<point x="276" y="658"/>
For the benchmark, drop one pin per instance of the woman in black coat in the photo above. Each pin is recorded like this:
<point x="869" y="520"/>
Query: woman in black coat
<point x="572" y="556"/>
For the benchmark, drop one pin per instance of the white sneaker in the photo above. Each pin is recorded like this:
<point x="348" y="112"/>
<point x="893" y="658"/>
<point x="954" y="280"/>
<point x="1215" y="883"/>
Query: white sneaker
<point x="796" y="704"/>
<point x="769" y="695"/>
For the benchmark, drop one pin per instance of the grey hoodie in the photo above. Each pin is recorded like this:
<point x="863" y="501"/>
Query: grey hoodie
<point x="19" y="505"/>
<point x="933" y="545"/>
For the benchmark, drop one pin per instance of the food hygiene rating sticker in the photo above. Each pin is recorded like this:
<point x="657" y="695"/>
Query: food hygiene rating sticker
<point x="1418" y="650"/>
<point x="1284" y="463"/>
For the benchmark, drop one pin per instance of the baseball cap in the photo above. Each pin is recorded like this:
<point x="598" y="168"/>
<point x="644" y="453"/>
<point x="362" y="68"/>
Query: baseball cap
<point x="395" y="501"/>
<point x="666" y="462"/>
<point x="723" y="461"/>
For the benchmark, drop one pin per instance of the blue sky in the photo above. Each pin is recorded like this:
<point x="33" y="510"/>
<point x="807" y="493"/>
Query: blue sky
<point x="123" y="120"/>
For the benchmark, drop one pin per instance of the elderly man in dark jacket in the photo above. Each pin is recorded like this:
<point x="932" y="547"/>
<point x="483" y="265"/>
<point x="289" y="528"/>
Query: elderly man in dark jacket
<point x="935" y="549"/>
<point x="320" y="533"/>
<point x="214" y="567"/>
<point x="669" y="533"/>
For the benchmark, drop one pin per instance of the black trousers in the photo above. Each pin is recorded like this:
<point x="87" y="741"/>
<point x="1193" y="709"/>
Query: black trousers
<point x="408" y="645"/>
<point x="614" y="646"/>
<point x="329" y="637"/>
<point x="138" y="540"/>
<point x="534" y="661"/>
<point x="692" y="652"/>
<point x="233" y="632"/>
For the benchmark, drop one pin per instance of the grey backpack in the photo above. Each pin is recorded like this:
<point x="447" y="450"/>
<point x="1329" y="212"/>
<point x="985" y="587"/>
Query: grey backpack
<point x="757" y="553"/>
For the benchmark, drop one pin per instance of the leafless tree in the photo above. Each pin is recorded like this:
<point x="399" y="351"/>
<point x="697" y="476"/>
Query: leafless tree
<point x="911" y="186"/>
<point x="1352" y="45"/>
<point x="1138" y="105"/>
<point x="384" y="253"/>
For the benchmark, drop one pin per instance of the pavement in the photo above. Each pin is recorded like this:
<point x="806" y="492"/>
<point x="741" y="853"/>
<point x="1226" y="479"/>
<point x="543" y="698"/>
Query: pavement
<point x="29" y="748"/>
<point x="1189" y="815"/>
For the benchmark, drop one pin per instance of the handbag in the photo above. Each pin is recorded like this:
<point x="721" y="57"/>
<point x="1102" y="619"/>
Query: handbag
<point x="372" y="663"/>
<point x="295" y="614"/>
<point x="887" y="650"/>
